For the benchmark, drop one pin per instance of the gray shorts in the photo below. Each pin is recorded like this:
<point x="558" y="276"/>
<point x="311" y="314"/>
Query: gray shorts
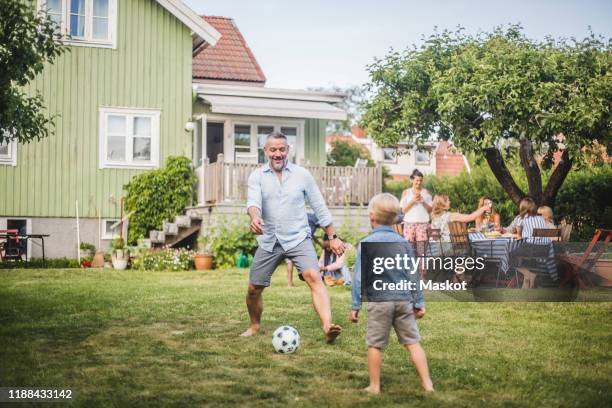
<point x="303" y="257"/>
<point x="383" y="315"/>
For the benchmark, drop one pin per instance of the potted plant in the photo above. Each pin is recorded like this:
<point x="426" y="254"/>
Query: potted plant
<point x="119" y="254"/>
<point x="203" y="259"/>
<point x="86" y="249"/>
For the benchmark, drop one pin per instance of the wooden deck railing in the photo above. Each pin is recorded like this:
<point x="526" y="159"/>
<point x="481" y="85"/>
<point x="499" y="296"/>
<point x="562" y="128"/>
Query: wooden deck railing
<point x="221" y="182"/>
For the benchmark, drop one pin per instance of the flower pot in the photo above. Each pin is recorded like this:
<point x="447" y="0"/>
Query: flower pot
<point x="203" y="262"/>
<point x="120" y="259"/>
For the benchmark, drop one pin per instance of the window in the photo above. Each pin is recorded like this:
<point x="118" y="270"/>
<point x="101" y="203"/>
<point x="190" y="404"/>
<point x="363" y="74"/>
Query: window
<point x="422" y="157"/>
<point x="389" y="155"/>
<point x="242" y="140"/>
<point x="262" y="135"/>
<point x="291" y="133"/>
<point x="8" y="153"/>
<point x="84" y="22"/>
<point x="111" y="228"/>
<point x="129" y="138"/>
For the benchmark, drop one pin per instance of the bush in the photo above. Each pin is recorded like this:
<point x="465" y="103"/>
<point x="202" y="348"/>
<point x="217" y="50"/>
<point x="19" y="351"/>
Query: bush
<point x="158" y="195"/>
<point x="86" y="246"/>
<point x="584" y="200"/>
<point x="228" y="238"/>
<point x="164" y="260"/>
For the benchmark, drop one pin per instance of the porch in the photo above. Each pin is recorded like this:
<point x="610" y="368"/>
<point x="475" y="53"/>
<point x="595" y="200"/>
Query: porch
<point x="223" y="182"/>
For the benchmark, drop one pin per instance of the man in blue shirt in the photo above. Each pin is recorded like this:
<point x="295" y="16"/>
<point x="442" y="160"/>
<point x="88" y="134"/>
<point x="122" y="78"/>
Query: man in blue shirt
<point x="276" y="203"/>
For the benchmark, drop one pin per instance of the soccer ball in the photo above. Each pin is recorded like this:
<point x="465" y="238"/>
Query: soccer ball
<point x="286" y="340"/>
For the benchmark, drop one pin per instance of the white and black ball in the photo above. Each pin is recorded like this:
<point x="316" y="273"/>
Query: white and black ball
<point x="286" y="340"/>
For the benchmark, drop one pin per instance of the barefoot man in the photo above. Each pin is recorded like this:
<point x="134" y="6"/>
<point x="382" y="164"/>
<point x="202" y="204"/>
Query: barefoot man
<point x="276" y="204"/>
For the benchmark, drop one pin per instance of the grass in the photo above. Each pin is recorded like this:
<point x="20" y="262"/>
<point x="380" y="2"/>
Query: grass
<point x="144" y="339"/>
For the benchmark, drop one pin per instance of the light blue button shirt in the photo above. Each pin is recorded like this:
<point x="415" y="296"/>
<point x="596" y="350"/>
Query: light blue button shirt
<point x="283" y="205"/>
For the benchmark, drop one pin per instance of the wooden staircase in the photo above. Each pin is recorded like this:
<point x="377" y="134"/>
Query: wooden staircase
<point x="173" y="234"/>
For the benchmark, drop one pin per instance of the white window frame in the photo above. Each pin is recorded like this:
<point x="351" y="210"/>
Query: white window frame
<point x="384" y="160"/>
<point x="129" y="162"/>
<point x="422" y="163"/>
<point x="106" y="237"/>
<point x="10" y="159"/>
<point x="88" y="40"/>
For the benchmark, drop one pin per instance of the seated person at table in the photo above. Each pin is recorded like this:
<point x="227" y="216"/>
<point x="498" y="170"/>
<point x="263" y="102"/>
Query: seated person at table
<point x="440" y="216"/>
<point x="331" y="265"/>
<point x="547" y="214"/>
<point x="529" y="218"/>
<point x="490" y="220"/>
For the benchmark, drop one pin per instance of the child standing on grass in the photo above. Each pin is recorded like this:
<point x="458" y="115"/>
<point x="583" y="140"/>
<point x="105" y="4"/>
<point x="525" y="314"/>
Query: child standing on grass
<point x="402" y="315"/>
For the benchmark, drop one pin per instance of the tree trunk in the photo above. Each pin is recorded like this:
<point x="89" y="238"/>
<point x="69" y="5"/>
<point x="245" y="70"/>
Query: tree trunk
<point x="502" y="174"/>
<point x="556" y="180"/>
<point x="532" y="170"/>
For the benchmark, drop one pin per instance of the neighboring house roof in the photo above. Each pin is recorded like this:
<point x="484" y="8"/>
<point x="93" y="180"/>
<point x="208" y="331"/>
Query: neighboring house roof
<point x="448" y="162"/>
<point x="230" y="59"/>
<point x="191" y="19"/>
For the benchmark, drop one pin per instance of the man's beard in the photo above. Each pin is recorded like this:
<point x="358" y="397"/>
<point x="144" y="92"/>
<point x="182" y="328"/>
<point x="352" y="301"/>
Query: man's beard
<point x="278" y="167"/>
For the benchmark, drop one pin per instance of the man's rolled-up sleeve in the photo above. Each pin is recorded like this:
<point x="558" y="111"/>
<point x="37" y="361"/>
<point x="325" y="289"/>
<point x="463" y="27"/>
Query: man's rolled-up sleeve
<point x="317" y="202"/>
<point x="254" y="190"/>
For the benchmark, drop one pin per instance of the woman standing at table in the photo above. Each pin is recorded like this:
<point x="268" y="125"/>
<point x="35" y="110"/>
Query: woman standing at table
<point x="490" y="220"/>
<point x="416" y="205"/>
<point x="441" y="216"/>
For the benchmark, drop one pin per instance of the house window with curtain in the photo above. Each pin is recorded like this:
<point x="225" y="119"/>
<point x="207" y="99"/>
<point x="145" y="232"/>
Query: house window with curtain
<point x="389" y="155"/>
<point x="422" y="157"/>
<point x="242" y="140"/>
<point x="84" y="22"/>
<point x="129" y="138"/>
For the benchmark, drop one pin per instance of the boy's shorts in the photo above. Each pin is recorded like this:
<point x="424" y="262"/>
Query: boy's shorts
<point x="383" y="315"/>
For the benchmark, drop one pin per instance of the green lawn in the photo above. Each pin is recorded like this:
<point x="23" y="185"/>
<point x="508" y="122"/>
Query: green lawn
<point x="171" y="339"/>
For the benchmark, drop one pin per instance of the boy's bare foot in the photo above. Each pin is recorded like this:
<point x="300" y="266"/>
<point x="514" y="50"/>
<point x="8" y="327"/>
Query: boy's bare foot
<point x="291" y="285"/>
<point x="251" y="331"/>
<point x="333" y="332"/>
<point x="372" y="390"/>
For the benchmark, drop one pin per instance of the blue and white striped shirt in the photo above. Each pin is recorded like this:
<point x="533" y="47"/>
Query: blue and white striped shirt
<point x="529" y="223"/>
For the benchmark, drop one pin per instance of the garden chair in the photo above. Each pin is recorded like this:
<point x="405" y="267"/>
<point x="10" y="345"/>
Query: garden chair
<point x="552" y="233"/>
<point x="579" y="266"/>
<point x="459" y="238"/>
<point x="566" y="231"/>
<point x="11" y="249"/>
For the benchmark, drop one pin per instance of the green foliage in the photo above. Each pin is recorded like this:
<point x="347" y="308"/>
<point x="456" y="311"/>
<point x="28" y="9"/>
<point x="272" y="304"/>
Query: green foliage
<point x="352" y="229"/>
<point x="86" y="246"/>
<point x="351" y="257"/>
<point x="228" y="238"/>
<point x="27" y="41"/>
<point x="158" y="195"/>
<point x="346" y="154"/>
<point x="584" y="200"/>
<point x="164" y="260"/>
<point x="117" y="243"/>
<point x="395" y="187"/>
<point x="38" y="263"/>
<point x="488" y="91"/>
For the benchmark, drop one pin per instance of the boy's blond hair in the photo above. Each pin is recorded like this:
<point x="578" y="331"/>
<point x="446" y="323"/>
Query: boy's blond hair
<point x="385" y="208"/>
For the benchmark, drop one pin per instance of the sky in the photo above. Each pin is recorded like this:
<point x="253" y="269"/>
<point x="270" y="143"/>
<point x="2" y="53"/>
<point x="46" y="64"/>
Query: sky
<point x="317" y="43"/>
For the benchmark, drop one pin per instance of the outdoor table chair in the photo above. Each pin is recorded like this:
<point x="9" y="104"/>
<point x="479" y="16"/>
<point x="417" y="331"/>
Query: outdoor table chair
<point x="566" y="232"/>
<point x="11" y="246"/>
<point x="459" y="238"/>
<point x="580" y="266"/>
<point x="552" y="233"/>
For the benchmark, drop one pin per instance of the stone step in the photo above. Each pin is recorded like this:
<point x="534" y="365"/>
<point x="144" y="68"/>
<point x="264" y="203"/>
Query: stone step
<point x="183" y="221"/>
<point x="170" y="228"/>
<point x="157" y="237"/>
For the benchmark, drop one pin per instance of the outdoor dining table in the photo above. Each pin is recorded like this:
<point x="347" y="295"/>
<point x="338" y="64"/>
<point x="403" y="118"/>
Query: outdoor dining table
<point x="501" y="248"/>
<point x="25" y="238"/>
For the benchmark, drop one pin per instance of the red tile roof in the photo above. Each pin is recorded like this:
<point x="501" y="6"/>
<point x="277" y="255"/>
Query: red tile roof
<point x="231" y="59"/>
<point x="448" y="162"/>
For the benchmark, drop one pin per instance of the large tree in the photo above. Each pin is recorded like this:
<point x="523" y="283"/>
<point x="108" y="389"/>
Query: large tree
<point x="498" y="94"/>
<point x="27" y="41"/>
